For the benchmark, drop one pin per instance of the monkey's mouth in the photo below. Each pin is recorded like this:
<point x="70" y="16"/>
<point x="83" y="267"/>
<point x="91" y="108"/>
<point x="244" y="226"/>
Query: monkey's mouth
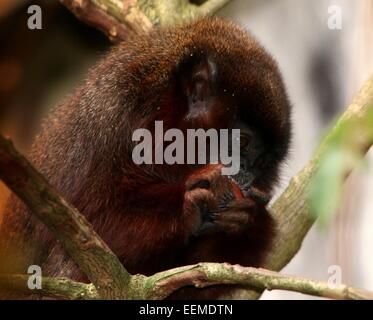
<point x="242" y="191"/>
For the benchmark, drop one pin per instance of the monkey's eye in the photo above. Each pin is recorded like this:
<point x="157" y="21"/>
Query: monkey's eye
<point x="244" y="141"/>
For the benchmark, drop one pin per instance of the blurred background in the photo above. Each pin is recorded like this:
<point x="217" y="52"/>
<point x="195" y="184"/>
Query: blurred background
<point x="323" y="69"/>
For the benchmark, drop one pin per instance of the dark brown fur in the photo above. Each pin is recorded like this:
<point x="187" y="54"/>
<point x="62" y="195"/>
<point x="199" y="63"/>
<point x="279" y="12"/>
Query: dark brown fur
<point x="142" y="213"/>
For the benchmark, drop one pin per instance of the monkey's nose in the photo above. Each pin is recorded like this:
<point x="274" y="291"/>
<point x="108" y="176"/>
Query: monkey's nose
<point x="258" y="195"/>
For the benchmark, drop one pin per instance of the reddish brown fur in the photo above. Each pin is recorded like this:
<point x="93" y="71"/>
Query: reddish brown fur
<point x="146" y="215"/>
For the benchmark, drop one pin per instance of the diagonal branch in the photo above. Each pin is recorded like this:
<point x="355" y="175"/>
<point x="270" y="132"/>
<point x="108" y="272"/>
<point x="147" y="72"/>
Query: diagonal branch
<point x="292" y="210"/>
<point x="117" y="19"/>
<point x="123" y="19"/>
<point x="71" y="228"/>
<point x="170" y="13"/>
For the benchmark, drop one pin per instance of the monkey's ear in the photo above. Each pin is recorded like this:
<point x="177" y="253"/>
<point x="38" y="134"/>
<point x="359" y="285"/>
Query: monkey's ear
<point x="199" y="77"/>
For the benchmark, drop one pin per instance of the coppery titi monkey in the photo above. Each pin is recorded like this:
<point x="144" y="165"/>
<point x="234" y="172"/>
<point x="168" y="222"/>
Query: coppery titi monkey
<point x="206" y="74"/>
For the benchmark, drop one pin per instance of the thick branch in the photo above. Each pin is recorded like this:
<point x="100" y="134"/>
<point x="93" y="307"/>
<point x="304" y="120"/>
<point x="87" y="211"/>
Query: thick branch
<point x="292" y="211"/>
<point x="201" y="275"/>
<point x="171" y="13"/>
<point x="118" y="19"/>
<point x="121" y="19"/>
<point x="74" y="232"/>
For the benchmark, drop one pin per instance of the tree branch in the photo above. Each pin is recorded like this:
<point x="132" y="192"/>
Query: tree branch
<point x="59" y="288"/>
<point x="123" y="19"/>
<point x="162" y="284"/>
<point x="117" y="19"/>
<point x="291" y="211"/>
<point x="71" y="228"/>
<point x="207" y="274"/>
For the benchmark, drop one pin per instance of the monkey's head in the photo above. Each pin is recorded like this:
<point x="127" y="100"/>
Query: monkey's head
<point x="208" y="74"/>
<point x="235" y="84"/>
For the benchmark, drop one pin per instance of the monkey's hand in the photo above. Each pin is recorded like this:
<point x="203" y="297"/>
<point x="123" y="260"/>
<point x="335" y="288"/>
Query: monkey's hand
<point x="218" y="204"/>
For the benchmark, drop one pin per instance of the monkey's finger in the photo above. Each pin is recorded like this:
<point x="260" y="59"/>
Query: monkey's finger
<point x="231" y="217"/>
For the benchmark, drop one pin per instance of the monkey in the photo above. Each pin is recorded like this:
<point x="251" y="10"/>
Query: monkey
<point x="206" y="74"/>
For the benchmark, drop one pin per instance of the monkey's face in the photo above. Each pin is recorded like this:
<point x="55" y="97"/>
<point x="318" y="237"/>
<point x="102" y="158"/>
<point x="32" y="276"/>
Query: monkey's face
<point x="251" y="99"/>
<point x="252" y="157"/>
<point x="216" y="76"/>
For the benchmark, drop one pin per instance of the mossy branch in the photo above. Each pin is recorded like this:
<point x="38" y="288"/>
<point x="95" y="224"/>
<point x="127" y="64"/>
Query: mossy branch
<point x="162" y="284"/>
<point x="123" y="19"/>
